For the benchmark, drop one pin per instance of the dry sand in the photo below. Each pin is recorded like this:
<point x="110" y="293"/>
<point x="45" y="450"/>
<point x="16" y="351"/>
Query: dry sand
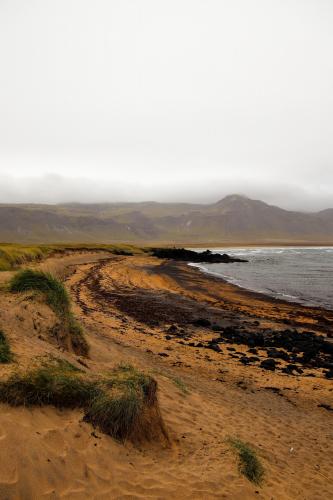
<point x="127" y="305"/>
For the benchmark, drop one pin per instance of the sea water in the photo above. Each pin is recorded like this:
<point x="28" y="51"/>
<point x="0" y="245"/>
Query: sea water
<point x="296" y="274"/>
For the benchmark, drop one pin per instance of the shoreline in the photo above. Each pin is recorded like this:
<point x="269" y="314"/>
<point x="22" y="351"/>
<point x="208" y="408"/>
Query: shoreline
<point x="264" y="295"/>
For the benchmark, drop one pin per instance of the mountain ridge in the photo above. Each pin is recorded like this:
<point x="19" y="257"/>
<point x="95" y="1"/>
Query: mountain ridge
<point x="233" y="218"/>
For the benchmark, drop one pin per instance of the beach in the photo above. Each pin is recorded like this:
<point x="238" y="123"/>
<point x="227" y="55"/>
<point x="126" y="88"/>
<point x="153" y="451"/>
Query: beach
<point x="190" y="330"/>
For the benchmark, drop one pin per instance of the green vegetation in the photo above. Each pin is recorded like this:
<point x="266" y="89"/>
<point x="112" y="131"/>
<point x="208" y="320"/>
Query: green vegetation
<point x="12" y="255"/>
<point x="57" y="298"/>
<point x="249" y="464"/>
<point x="54" y="291"/>
<point x="50" y="384"/>
<point x="116" y="249"/>
<point x="131" y="392"/>
<point x="6" y="355"/>
<point x="118" y="404"/>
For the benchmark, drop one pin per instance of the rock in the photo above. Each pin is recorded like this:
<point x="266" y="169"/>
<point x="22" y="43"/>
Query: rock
<point x="217" y="328"/>
<point x="291" y="368"/>
<point x="268" y="364"/>
<point x="215" y="347"/>
<point x="278" y="354"/>
<point x="205" y="323"/>
<point x="173" y="329"/>
<point x="253" y="350"/>
<point x="164" y="354"/>
<point x="329" y="374"/>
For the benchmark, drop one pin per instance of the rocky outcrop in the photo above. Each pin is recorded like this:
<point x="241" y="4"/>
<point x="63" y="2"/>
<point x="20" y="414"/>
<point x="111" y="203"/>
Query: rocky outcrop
<point x="185" y="255"/>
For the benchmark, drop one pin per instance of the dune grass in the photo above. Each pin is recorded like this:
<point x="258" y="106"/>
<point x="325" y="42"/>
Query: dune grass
<point x="249" y="463"/>
<point x="6" y="355"/>
<point x="54" y="291"/>
<point x="13" y="255"/>
<point x="49" y="384"/>
<point x="119" y="410"/>
<point x="57" y="298"/>
<point x="117" y="403"/>
<point x="116" y="248"/>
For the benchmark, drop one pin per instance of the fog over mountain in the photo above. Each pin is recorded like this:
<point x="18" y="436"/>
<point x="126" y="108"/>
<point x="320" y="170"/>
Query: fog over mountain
<point x="182" y="100"/>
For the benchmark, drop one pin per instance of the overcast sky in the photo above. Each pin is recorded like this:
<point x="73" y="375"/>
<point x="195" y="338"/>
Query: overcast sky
<point x="108" y="100"/>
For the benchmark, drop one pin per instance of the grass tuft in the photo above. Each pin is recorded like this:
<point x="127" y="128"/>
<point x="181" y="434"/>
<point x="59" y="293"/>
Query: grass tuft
<point x="57" y="298"/>
<point x="249" y="464"/>
<point x="6" y="355"/>
<point x="122" y="404"/>
<point x="55" y="293"/>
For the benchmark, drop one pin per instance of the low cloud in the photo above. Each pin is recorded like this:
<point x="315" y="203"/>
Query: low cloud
<point x="54" y="188"/>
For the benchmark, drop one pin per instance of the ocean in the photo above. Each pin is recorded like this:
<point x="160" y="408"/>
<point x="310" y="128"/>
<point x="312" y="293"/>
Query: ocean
<point x="296" y="274"/>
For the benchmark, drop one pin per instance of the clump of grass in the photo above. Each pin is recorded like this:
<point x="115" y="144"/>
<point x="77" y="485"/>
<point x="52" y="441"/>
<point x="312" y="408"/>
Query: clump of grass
<point x="57" y="298"/>
<point x="122" y="404"/>
<point x="249" y="464"/>
<point x="55" y="293"/>
<point x="123" y="409"/>
<point x="49" y="384"/>
<point x="6" y="355"/>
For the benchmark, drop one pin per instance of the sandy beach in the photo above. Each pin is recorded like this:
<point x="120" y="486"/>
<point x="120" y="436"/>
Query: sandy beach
<point x="162" y="317"/>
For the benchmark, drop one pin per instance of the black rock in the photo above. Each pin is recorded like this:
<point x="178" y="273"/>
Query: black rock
<point x="173" y="329"/>
<point x="215" y="347"/>
<point x="245" y="360"/>
<point x="277" y="354"/>
<point x="217" y="328"/>
<point x="291" y="368"/>
<point x="268" y="364"/>
<point x="205" y="323"/>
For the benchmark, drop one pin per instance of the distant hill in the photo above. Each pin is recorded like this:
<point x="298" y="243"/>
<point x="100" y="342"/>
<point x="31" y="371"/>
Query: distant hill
<point x="233" y="219"/>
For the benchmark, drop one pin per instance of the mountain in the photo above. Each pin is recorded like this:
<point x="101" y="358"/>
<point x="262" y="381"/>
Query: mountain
<point x="233" y="219"/>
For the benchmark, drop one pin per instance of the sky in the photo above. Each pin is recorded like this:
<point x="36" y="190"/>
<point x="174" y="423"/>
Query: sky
<point x="166" y="100"/>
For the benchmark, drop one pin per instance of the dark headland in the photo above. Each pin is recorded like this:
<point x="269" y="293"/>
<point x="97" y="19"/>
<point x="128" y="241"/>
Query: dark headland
<point x="184" y="255"/>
